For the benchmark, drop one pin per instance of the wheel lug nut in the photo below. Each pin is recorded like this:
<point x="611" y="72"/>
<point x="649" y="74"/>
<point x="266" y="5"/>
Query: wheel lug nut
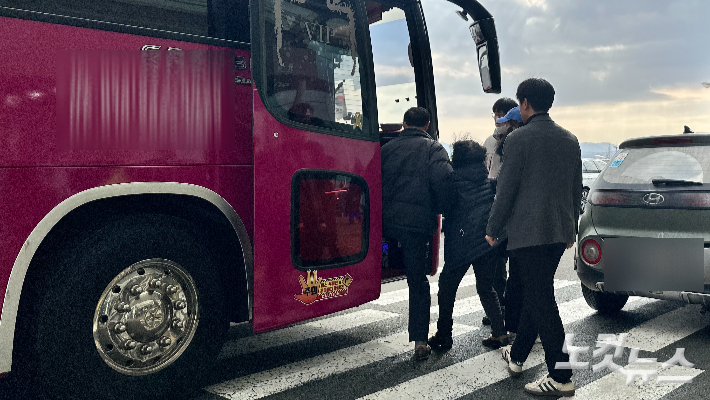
<point x="171" y="289"/>
<point x="164" y="341"/>
<point x="146" y="349"/>
<point x="131" y="344"/>
<point x="177" y="324"/>
<point x="156" y="283"/>
<point x="179" y="305"/>
<point x="123" y="307"/>
<point x="136" y="290"/>
<point x="119" y="328"/>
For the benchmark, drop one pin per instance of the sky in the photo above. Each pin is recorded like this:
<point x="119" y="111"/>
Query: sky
<point x="620" y="68"/>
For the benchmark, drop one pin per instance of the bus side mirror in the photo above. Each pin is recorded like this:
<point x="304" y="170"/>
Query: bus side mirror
<point x="484" y="35"/>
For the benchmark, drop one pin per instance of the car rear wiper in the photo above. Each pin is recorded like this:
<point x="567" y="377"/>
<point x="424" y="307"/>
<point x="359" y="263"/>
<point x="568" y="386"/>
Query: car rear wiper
<point x="674" y="182"/>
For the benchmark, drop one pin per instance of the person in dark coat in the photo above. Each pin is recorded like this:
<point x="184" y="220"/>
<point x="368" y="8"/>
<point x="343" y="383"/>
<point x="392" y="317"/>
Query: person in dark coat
<point x="465" y="245"/>
<point x="415" y="174"/>
<point x="537" y="199"/>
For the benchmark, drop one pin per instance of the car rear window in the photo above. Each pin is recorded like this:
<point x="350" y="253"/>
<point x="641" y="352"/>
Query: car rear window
<point x="639" y="166"/>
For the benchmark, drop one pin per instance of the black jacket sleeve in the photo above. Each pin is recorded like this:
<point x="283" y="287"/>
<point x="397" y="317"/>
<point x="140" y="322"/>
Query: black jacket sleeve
<point x="440" y="178"/>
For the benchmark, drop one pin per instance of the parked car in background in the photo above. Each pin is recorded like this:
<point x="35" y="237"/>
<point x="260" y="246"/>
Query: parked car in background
<point x="591" y="168"/>
<point x="646" y="229"/>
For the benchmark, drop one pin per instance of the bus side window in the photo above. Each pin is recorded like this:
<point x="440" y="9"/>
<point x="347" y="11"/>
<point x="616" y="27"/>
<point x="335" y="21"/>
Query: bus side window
<point x="313" y="64"/>
<point x="391" y="52"/>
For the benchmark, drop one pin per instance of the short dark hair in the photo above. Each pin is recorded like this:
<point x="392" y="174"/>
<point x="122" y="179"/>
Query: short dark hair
<point x="539" y="92"/>
<point x="467" y="152"/>
<point x="417" y="117"/>
<point x="503" y="105"/>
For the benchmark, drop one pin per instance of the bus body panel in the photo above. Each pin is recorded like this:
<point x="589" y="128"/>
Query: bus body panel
<point x="36" y="175"/>
<point x="28" y="99"/>
<point x="280" y="151"/>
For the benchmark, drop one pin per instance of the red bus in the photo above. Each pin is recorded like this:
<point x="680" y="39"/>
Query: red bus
<point x="170" y="166"/>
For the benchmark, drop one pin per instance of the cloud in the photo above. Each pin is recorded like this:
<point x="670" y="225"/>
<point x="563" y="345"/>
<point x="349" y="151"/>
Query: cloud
<point x="607" y="49"/>
<point x="542" y="4"/>
<point x="645" y="57"/>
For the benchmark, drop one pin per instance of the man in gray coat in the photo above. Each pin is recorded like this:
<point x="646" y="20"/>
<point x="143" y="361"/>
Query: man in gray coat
<point x="538" y="195"/>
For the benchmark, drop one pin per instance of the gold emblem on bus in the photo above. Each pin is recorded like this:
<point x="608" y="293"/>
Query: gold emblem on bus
<point x="314" y="288"/>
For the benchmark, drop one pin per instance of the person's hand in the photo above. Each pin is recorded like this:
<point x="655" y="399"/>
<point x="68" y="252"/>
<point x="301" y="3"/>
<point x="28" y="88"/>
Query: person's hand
<point x="569" y="245"/>
<point x="492" y="241"/>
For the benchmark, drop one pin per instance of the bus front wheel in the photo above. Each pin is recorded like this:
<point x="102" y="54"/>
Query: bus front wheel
<point x="132" y="311"/>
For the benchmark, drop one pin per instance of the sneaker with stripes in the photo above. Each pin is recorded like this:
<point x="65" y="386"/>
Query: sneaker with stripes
<point x="515" y="368"/>
<point x="546" y="386"/>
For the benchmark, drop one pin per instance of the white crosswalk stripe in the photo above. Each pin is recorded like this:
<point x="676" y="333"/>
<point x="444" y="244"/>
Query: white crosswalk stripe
<point x="278" y="379"/>
<point x="303" y="331"/>
<point x="483" y="370"/>
<point x="396" y="296"/>
<point x="670" y="327"/>
<point x="472" y="304"/>
<point x="613" y="386"/>
<point x="464" y="377"/>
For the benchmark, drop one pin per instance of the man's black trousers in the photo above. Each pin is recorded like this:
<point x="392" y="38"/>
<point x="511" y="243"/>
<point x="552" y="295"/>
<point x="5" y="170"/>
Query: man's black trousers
<point x="540" y="314"/>
<point x="417" y="266"/>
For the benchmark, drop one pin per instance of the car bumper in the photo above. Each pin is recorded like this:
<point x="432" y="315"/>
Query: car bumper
<point x="594" y="279"/>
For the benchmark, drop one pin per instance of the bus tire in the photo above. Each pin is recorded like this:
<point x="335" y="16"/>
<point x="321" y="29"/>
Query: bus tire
<point x="133" y="310"/>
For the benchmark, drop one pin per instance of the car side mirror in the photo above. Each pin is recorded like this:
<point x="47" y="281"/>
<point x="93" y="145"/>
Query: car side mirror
<point x="484" y="35"/>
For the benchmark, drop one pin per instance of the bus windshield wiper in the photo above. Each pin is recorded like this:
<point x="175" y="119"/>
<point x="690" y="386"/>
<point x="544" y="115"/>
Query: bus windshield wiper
<point x="675" y="182"/>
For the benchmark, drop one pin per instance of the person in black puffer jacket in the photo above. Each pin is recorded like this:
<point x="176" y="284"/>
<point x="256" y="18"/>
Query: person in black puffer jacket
<point x="415" y="173"/>
<point x="465" y="244"/>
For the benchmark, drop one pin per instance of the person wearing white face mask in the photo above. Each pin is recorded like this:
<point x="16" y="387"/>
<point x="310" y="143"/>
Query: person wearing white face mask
<point x="494" y="160"/>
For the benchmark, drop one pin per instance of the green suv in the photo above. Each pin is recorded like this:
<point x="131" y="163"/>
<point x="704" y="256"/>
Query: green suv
<point x="646" y="229"/>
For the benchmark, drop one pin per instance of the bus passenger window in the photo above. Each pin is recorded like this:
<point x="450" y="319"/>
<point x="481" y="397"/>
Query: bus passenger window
<point x="330" y="219"/>
<point x="312" y="63"/>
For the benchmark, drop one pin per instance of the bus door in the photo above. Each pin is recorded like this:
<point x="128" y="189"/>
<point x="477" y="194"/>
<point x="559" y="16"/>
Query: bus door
<point x="317" y="179"/>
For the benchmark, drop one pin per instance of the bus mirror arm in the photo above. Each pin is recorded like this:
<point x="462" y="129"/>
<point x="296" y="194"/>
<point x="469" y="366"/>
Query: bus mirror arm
<point x="484" y="36"/>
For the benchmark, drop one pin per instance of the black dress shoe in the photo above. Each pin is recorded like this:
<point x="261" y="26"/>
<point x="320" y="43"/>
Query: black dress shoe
<point x="440" y="342"/>
<point x="422" y="352"/>
<point x="496" y="342"/>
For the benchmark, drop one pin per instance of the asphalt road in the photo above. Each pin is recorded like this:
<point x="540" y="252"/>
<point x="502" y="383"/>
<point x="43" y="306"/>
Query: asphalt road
<point x="363" y="353"/>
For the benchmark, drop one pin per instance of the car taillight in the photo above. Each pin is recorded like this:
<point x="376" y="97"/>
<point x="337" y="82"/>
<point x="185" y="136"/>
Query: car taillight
<point x="591" y="251"/>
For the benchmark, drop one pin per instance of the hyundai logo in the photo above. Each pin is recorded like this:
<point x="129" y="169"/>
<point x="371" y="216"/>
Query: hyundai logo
<point x="653" y="199"/>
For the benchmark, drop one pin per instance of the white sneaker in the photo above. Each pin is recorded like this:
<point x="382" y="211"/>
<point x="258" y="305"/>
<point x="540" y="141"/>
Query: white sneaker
<point x="547" y="386"/>
<point x="514" y="368"/>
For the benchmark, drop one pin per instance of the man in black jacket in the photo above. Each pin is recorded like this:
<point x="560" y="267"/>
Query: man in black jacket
<point x="415" y="172"/>
<point x="538" y="196"/>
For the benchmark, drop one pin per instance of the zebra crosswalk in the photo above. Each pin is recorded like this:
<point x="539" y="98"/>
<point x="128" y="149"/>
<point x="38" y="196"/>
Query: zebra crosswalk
<point x="364" y="353"/>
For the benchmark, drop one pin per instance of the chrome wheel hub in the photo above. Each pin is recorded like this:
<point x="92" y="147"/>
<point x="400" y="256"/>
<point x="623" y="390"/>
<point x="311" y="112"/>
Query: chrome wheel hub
<point x="146" y="317"/>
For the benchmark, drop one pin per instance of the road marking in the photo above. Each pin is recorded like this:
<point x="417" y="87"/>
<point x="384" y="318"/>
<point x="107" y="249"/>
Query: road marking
<point x="613" y="386"/>
<point x="475" y="373"/>
<point x="303" y="331"/>
<point x="670" y="327"/>
<point x="396" y="296"/>
<point x="282" y="378"/>
<point x="472" y="304"/>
